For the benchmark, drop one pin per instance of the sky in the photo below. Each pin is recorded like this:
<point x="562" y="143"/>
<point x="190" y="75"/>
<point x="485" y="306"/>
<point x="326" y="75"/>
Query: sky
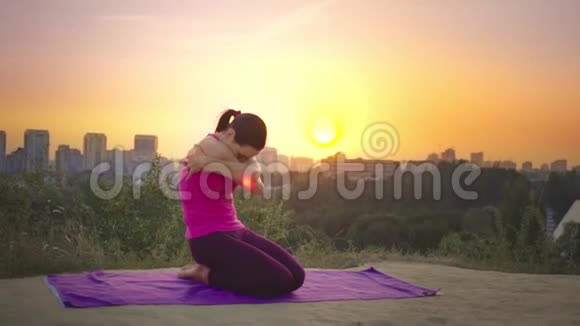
<point x="500" y="77"/>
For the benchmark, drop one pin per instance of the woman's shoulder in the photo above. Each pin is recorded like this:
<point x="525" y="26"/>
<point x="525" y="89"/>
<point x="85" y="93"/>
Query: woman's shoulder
<point x="214" y="148"/>
<point x="208" y="141"/>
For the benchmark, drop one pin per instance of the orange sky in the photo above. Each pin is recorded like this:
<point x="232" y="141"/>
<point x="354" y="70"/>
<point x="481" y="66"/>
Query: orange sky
<point x="477" y="76"/>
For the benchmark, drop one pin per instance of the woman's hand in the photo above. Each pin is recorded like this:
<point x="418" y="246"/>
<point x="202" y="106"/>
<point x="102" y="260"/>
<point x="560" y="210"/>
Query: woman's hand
<point x="251" y="180"/>
<point x="196" y="159"/>
<point x="210" y="150"/>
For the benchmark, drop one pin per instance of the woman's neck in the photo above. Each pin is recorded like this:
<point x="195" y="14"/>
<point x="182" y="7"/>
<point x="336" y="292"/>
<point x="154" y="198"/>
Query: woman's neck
<point x="221" y="138"/>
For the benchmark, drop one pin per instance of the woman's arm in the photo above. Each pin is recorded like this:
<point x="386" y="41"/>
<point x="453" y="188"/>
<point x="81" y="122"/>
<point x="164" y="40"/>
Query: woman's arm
<point x="251" y="179"/>
<point x="212" y="155"/>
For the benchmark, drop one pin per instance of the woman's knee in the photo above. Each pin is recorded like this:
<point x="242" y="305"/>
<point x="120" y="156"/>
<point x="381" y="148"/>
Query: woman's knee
<point x="284" y="280"/>
<point x="299" y="275"/>
<point x="275" y="283"/>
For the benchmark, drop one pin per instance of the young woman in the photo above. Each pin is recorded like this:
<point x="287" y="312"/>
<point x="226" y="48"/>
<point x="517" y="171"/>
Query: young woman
<point x="228" y="255"/>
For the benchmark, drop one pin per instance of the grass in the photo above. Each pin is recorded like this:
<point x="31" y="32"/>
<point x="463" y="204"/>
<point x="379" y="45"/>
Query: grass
<point x="31" y="258"/>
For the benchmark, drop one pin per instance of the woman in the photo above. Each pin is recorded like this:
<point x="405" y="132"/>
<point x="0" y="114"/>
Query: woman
<point x="228" y="255"/>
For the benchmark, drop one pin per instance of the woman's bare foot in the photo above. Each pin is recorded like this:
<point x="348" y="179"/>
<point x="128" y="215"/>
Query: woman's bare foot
<point x="196" y="272"/>
<point x="186" y="272"/>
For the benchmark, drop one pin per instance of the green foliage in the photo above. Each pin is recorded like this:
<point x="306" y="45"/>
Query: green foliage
<point x="529" y="251"/>
<point x="569" y="244"/>
<point x="515" y="199"/>
<point x="561" y="191"/>
<point x="482" y="221"/>
<point x="51" y="225"/>
<point x="420" y="232"/>
<point x="531" y="241"/>
<point x="273" y="221"/>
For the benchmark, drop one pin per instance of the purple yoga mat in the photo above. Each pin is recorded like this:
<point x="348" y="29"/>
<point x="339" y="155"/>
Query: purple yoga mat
<point x="101" y="288"/>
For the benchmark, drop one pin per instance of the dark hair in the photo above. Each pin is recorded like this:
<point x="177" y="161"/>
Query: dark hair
<point x="224" y="121"/>
<point x="250" y="129"/>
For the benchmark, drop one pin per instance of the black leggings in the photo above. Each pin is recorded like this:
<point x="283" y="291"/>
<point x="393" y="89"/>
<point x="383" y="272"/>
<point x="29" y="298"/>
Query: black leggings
<point x="244" y="262"/>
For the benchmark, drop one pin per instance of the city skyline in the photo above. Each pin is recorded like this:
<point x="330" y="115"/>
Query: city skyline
<point x="145" y="146"/>
<point x="127" y="141"/>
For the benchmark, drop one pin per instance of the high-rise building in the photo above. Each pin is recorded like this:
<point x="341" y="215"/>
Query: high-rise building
<point x="560" y="166"/>
<point x="448" y="155"/>
<point x="61" y="158"/>
<point x="545" y="168"/>
<point x="487" y="164"/>
<point x="300" y="164"/>
<point x="36" y="145"/>
<point x="75" y="160"/>
<point x="145" y="147"/>
<point x="2" y="151"/>
<point x="15" y="161"/>
<point x="433" y="157"/>
<point x="94" y="150"/>
<point x="527" y="166"/>
<point x="477" y="158"/>
<point x="357" y="168"/>
<point x="283" y="159"/>
<point x="267" y="155"/>
<point x="127" y="162"/>
<point x="508" y="165"/>
<point x="68" y="160"/>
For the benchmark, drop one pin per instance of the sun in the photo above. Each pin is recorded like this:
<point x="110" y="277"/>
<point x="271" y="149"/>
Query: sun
<point x="324" y="131"/>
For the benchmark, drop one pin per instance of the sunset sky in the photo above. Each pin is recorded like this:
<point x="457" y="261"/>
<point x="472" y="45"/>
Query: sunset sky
<point x="502" y="77"/>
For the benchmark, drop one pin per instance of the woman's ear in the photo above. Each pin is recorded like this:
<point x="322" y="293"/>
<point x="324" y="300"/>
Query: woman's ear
<point x="230" y="134"/>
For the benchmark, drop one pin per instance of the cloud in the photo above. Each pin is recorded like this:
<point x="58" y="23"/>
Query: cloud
<point x="126" y="18"/>
<point x="284" y="24"/>
<point x="299" y="17"/>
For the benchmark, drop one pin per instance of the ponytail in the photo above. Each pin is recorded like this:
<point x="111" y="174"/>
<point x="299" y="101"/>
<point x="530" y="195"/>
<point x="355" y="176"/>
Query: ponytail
<point x="250" y="129"/>
<point x="224" y="121"/>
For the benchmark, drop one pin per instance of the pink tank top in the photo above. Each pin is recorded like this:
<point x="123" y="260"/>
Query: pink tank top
<point x="207" y="202"/>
